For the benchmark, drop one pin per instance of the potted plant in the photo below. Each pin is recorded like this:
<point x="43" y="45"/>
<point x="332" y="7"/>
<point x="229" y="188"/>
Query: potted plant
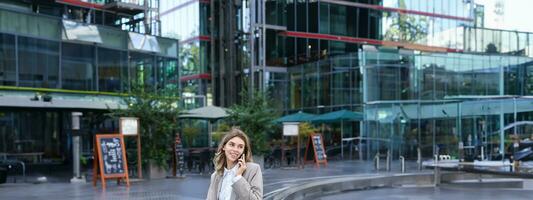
<point x="189" y="133"/>
<point x="158" y="114"/>
<point x="254" y="115"/>
<point x="222" y="129"/>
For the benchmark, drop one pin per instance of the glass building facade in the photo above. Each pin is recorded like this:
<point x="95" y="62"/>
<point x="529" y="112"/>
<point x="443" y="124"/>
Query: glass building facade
<point x="188" y="21"/>
<point x="426" y="74"/>
<point x="51" y="66"/>
<point x="444" y="101"/>
<point x="370" y="56"/>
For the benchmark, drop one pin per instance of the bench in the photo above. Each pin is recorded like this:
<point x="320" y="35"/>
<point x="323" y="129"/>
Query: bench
<point x="9" y="164"/>
<point x="34" y="157"/>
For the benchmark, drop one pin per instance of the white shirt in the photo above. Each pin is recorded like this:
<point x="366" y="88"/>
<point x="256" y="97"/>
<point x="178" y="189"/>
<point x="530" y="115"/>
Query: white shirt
<point x="227" y="181"/>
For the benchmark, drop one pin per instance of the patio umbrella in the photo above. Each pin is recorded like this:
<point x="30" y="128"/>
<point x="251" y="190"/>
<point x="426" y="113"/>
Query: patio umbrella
<point x="339" y="116"/>
<point x="209" y="113"/>
<point x="296" y="117"/>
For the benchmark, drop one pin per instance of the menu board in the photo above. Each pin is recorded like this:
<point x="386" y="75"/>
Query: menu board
<point x="180" y="158"/>
<point x="317" y="144"/>
<point x="318" y="154"/>
<point x="111" y="156"/>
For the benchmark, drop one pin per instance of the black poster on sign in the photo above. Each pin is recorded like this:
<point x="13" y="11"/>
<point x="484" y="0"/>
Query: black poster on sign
<point x="315" y="150"/>
<point x="113" y="162"/>
<point x="110" y="159"/>
<point x="317" y="141"/>
<point x="180" y="159"/>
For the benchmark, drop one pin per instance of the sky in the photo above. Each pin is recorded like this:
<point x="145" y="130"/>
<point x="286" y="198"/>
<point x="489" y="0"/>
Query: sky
<point x="517" y="14"/>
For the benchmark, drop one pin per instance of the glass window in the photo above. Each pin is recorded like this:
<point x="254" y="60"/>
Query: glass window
<point x="205" y="53"/>
<point x="168" y="73"/>
<point x="337" y="20"/>
<point x="32" y="132"/>
<point x="112" y="70"/>
<point x="169" y="47"/>
<point x="8" y="71"/>
<point x="113" y="38"/>
<point x="77" y="67"/>
<point x="301" y="16"/>
<point x="142" y="72"/>
<point x="33" y="25"/>
<point x="291" y="21"/>
<point x="312" y="17"/>
<point x="38" y="62"/>
<point x="81" y="32"/>
<point x="310" y="85"/>
<point x="324" y="18"/>
<point x="190" y="59"/>
<point x="296" y="88"/>
<point x="205" y="15"/>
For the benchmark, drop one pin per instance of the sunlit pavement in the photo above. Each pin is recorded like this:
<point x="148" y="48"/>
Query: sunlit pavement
<point x="194" y="186"/>
<point x="445" y="192"/>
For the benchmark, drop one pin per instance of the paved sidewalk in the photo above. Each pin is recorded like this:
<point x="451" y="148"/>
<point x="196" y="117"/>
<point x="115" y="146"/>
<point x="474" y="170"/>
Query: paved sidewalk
<point x="193" y="187"/>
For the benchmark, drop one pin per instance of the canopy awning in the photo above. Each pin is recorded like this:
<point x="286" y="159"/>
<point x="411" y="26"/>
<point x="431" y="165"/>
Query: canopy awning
<point x="296" y="117"/>
<point x="338" y="116"/>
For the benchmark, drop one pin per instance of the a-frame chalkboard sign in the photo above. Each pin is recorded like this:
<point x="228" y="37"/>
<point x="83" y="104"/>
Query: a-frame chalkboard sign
<point x="315" y="144"/>
<point x="110" y="159"/>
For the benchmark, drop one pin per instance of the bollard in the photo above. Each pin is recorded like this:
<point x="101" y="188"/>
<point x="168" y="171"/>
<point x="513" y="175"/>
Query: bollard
<point x="482" y="153"/>
<point x="402" y="164"/>
<point x="23" y="170"/>
<point x="436" y="168"/>
<point x="419" y="158"/>
<point x="376" y="161"/>
<point x="388" y="160"/>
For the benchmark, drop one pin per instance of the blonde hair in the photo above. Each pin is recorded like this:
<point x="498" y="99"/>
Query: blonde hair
<point x="220" y="158"/>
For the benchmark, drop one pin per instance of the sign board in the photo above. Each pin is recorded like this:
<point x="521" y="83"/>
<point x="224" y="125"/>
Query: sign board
<point x="290" y="128"/>
<point x="111" y="157"/>
<point x="129" y="126"/>
<point x="179" y="155"/>
<point x="316" y="144"/>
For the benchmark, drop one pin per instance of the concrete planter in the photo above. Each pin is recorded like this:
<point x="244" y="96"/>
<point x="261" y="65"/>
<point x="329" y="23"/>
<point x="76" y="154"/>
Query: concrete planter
<point x="155" y="172"/>
<point x="260" y="160"/>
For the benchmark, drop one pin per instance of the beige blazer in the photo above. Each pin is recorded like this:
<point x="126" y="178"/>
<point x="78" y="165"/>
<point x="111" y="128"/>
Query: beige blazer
<point x="250" y="186"/>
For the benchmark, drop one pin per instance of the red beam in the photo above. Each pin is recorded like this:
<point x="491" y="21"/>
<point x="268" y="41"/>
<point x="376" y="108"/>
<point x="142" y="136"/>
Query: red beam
<point x="366" y="41"/>
<point x="397" y="10"/>
<point x="81" y="3"/>
<point x="206" y="38"/>
<point x="196" y="76"/>
<point x="330" y="37"/>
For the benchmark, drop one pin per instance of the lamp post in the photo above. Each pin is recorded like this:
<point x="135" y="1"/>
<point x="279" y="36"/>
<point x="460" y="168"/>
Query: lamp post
<point x="76" y="147"/>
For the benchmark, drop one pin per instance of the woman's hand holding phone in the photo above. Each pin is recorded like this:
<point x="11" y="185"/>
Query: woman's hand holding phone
<point x="242" y="165"/>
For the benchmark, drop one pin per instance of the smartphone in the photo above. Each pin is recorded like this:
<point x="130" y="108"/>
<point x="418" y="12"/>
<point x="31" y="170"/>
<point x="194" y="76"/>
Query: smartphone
<point x="242" y="156"/>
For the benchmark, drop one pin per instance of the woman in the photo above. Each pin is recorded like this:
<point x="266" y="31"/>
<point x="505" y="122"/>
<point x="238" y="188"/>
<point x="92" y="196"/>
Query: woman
<point x="236" y="176"/>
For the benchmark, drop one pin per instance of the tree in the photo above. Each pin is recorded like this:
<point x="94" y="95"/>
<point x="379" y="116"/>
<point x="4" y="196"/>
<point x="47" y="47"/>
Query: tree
<point x="406" y="28"/>
<point x="158" y="114"/>
<point x="305" y="129"/>
<point x="222" y="129"/>
<point x="491" y="48"/>
<point x="189" y="133"/>
<point x="254" y="115"/>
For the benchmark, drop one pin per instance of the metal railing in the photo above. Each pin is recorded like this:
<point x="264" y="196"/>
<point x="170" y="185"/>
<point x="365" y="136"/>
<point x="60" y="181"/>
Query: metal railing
<point x="377" y="159"/>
